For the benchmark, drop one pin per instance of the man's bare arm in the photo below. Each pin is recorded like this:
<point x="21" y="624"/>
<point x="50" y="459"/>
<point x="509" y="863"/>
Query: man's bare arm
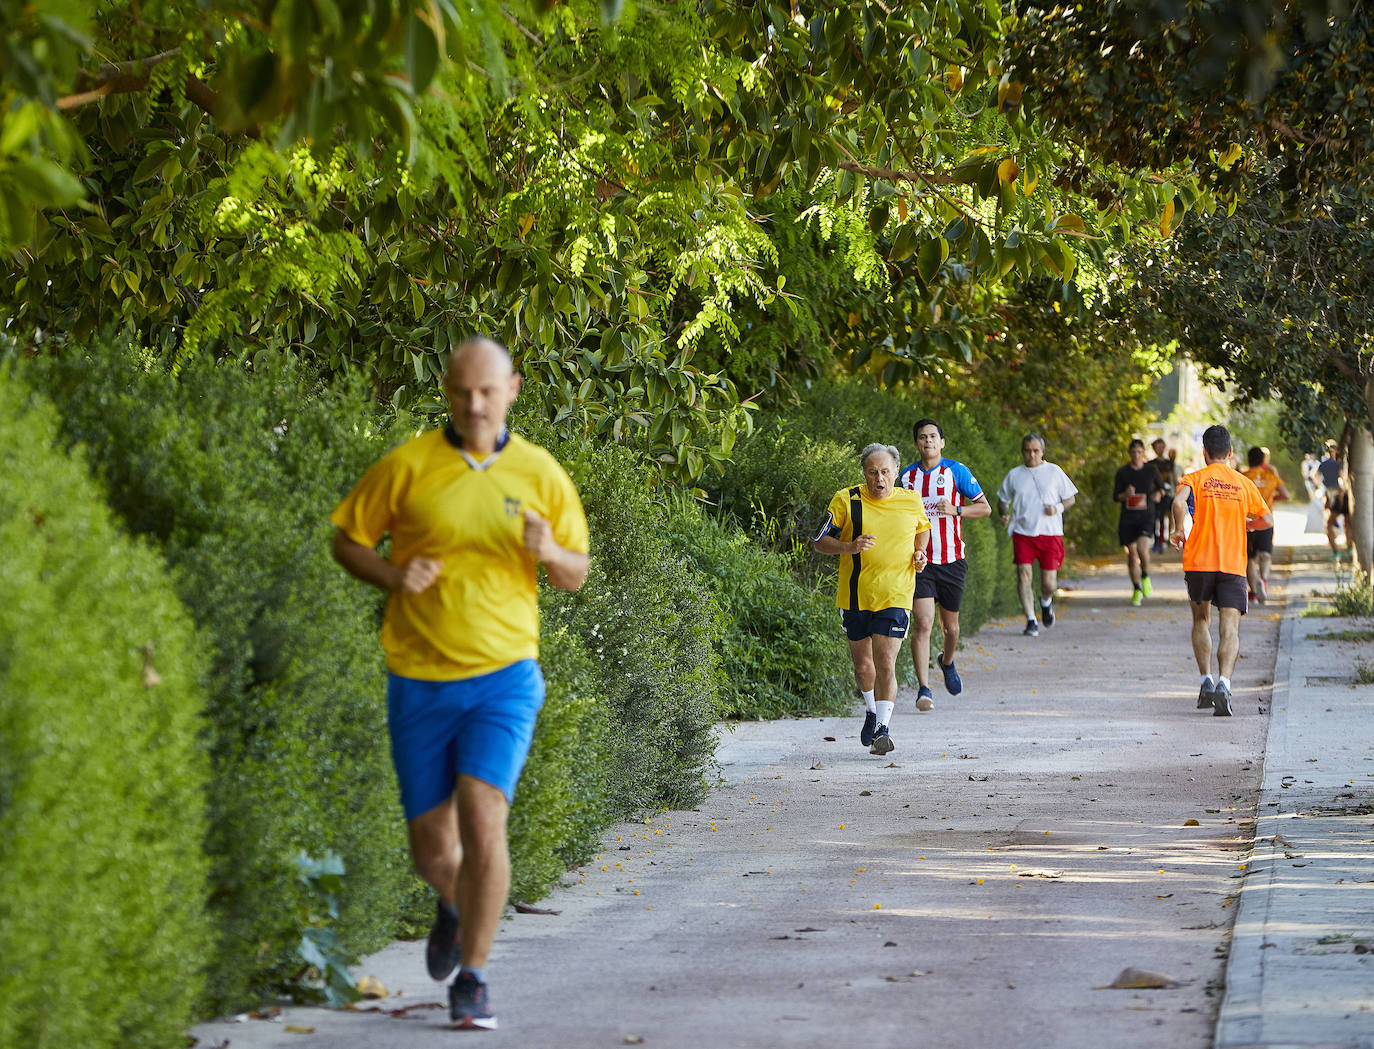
<point x="363" y="562"/>
<point x="566" y="569"/>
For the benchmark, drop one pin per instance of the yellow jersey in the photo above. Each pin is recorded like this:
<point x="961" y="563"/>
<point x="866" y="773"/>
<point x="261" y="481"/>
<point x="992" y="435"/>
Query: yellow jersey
<point x="435" y="501"/>
<point x="884" y="576"/>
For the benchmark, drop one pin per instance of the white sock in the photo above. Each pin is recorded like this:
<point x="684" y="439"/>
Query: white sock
<point x="1207" y="681"/>
<point x="1224" y="682"/>
<point x="1046" y="604"/>
<point x="885" y="711"/>
<point x="868" y="701"/>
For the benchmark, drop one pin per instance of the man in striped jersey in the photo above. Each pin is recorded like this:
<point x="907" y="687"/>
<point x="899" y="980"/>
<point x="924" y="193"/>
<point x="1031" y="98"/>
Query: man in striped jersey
<point x="949" y="493"/>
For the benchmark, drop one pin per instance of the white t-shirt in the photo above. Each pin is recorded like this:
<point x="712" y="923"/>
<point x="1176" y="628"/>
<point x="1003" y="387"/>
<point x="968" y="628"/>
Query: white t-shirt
<point x="1027" y="492"/>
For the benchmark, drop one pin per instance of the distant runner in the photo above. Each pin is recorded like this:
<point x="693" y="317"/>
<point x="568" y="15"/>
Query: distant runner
<point x="1331" y="471"/>
<point x="1168" y="473"/>
<point x="879" y="531"/>
<point x="1226" y="505"/>
<point x="1138" y="489"/>
<point x="949" y="493"/>
<point x="1260" y="541"/>
<point x="1032" y="499"/>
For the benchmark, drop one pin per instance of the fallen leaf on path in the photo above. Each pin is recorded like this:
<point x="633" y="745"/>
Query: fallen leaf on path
<point x="634" y="1039"/>
<point x="829" y="739"/>
<point x="299" y="1029"/>
<point x="1191" y="823"/>
<point x="371" y="987"/>
<point x="1039" y="873"/>
<point x="525" y="908"/>
<point x="1134" y="979"/>
<point x="818" y="765"/>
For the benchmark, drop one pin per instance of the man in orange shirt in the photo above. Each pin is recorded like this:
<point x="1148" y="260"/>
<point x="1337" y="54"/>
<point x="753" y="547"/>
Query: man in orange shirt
<point x="1259" y="544"/>
<point x="1225" y="505"/>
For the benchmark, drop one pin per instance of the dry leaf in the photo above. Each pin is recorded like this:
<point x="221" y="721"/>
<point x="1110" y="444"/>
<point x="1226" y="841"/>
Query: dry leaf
<point x="371" y="987"/>
<point x="1039" y="872"/>
<point x="1133" y="979"/>
<point x="1191" y="823"/>
<point x="634" y="1039"/>
<point x="299" y="1029"/>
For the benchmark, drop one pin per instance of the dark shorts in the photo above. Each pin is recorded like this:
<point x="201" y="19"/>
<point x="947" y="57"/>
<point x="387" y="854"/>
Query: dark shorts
<point x="1047" y="549"/>
<point x="1135" y="525"/>
<point x="1220" y="588"/>
<point x="479" y="726"/>
<point x="1260" y="541"/>
<point x="945" y="583"/>
<point x="886" y="622"/>
<point x="1337" y="501"/>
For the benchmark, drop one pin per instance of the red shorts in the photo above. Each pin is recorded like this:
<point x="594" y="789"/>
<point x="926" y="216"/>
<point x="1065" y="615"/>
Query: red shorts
<point x="1047" y="549"/>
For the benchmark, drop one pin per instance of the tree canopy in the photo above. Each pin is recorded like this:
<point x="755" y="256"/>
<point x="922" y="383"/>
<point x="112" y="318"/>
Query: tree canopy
<point x="364" y="183"/>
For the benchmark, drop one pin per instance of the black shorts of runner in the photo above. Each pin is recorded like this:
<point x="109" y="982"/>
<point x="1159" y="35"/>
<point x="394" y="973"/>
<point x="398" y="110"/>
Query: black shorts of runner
<point x="1337" y="501"/>
<point x="1133" y="526"/>
<point x="1260" y="541"/>
<point x="945" y="583"/>
<point x="886" y="622"/>
<point x="1220" y="588"/>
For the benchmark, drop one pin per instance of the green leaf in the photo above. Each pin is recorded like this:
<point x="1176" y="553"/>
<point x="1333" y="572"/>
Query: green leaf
<point x="929" y="259"/>
<point x="422" y="54"/>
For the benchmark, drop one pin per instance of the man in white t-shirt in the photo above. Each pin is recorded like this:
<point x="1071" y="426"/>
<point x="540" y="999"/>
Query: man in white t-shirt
<point x="1032" y="499"/>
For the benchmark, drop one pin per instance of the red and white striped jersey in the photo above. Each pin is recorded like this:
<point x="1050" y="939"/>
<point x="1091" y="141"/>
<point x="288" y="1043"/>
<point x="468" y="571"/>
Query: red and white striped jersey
<point x="950" y="480"/>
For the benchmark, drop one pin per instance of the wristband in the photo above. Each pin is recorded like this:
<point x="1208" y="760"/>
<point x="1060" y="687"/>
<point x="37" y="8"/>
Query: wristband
<point x="958" y="511"/>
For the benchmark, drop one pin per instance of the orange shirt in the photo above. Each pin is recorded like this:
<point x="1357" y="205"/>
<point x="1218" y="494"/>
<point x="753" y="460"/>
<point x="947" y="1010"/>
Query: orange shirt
<point x="1267" y="480"/>
<point x="1222" y="500"/>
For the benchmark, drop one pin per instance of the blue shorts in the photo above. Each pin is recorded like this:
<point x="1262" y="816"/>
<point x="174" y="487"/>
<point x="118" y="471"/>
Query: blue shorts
<point x="479" y="726"/>
<point x="886" y="622"/>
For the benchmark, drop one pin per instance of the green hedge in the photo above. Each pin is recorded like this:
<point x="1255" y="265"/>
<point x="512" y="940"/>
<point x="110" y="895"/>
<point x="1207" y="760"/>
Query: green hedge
<point x="783" y="653"/>
<point x="234" y="475"/>
<point x="102" y="777"/>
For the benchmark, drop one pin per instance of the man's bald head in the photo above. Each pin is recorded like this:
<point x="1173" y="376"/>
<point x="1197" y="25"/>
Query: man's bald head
<point x="481" y="384"/>
<point x="481" y="348"/>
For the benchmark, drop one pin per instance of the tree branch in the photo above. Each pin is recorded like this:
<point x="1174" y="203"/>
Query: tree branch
<point x="891" y="175"/>
<point x="123" y="78"/>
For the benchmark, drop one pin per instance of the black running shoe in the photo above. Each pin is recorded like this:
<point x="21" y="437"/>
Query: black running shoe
<point x="1221" y="702"/>
<point x="1047" y="614"/>
<point x="953" y="684"/>
<point x="1205" y="695"/>
<point x="468" y="1006"/>
<point x="882" y="742"/>
<point x="443" y="950"/>
<point x="870" y="724"/>
<point x="1032" y="628"/>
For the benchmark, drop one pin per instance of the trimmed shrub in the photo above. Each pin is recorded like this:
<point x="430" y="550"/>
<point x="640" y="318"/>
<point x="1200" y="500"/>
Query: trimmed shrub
<point x="235" y="474"/>
<point x="783" y="652"/>
<point x="102" y="776"/>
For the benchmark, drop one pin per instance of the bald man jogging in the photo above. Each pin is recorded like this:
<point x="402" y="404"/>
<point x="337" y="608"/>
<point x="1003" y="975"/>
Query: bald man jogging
<point x="472" y="511"/>
<point x="1226" y="504"/>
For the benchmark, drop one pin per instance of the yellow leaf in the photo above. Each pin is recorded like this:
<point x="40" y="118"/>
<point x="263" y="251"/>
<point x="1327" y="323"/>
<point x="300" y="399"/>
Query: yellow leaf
<point x="901" y="208"/>
<point x="1007" y="171"/>
<point x="526" y="223"/>
<point x="954" y="77"/>
<point x="371" y="987"/>
<point x="853" y="319"/>
<point x="1028" y="183"/>
<point x="1069" y="222"/>
<point x="1233" y="154"/>
<point x="1166" y="221"/>
<point x="299" y="1029"/>
<point x="983" y="149"/>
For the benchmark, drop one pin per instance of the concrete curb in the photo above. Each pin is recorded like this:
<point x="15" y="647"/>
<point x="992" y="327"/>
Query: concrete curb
<point x="1293" y="978"/>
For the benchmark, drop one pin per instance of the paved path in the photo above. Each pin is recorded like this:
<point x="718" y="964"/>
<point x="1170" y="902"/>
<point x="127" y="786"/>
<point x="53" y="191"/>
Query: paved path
<point x="1069" y="816"/>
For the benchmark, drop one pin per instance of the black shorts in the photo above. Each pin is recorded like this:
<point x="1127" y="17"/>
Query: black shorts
<point x="1337" y="501"/>
<point x="1260" y="541"/>
<point x="886" y="622"/>
<point x="945" y="583"/>
<point x="1134" y="525"/>
<point x="1221" y="588"/>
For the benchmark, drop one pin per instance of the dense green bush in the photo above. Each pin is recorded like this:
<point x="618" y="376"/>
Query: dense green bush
<point x="102" y="776"/>
<point x="783" y="652"/>
<point x="234" y="475"/>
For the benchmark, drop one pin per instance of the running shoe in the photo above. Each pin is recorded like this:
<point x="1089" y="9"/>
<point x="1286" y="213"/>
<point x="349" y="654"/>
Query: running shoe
<point x="1205" y="694"/>
<point x="925" y="699"/>
<point x="1047" y="614"/>
<point x="1032" y="630"/>
<point x="953" y="684"/>
<point x="444" y="949"/>
<point x="468" y="1006"/>
<point x="1250" y="595"/>
<point x="1146" y="587"/>
<point x="882" y="742"/>
<point x="1263" y="592"/>
<point x="1221" y="702"/>
<point x="1137" y="596"/>
<point x="870" y="724"/>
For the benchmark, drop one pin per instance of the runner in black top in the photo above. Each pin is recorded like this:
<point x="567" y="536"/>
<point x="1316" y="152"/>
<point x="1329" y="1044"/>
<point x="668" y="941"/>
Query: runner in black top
<point x="1138" y="488"/>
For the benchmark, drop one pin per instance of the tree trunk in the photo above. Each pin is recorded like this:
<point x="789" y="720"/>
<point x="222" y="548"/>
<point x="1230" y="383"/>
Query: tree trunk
<point x="1359" y="471"/>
